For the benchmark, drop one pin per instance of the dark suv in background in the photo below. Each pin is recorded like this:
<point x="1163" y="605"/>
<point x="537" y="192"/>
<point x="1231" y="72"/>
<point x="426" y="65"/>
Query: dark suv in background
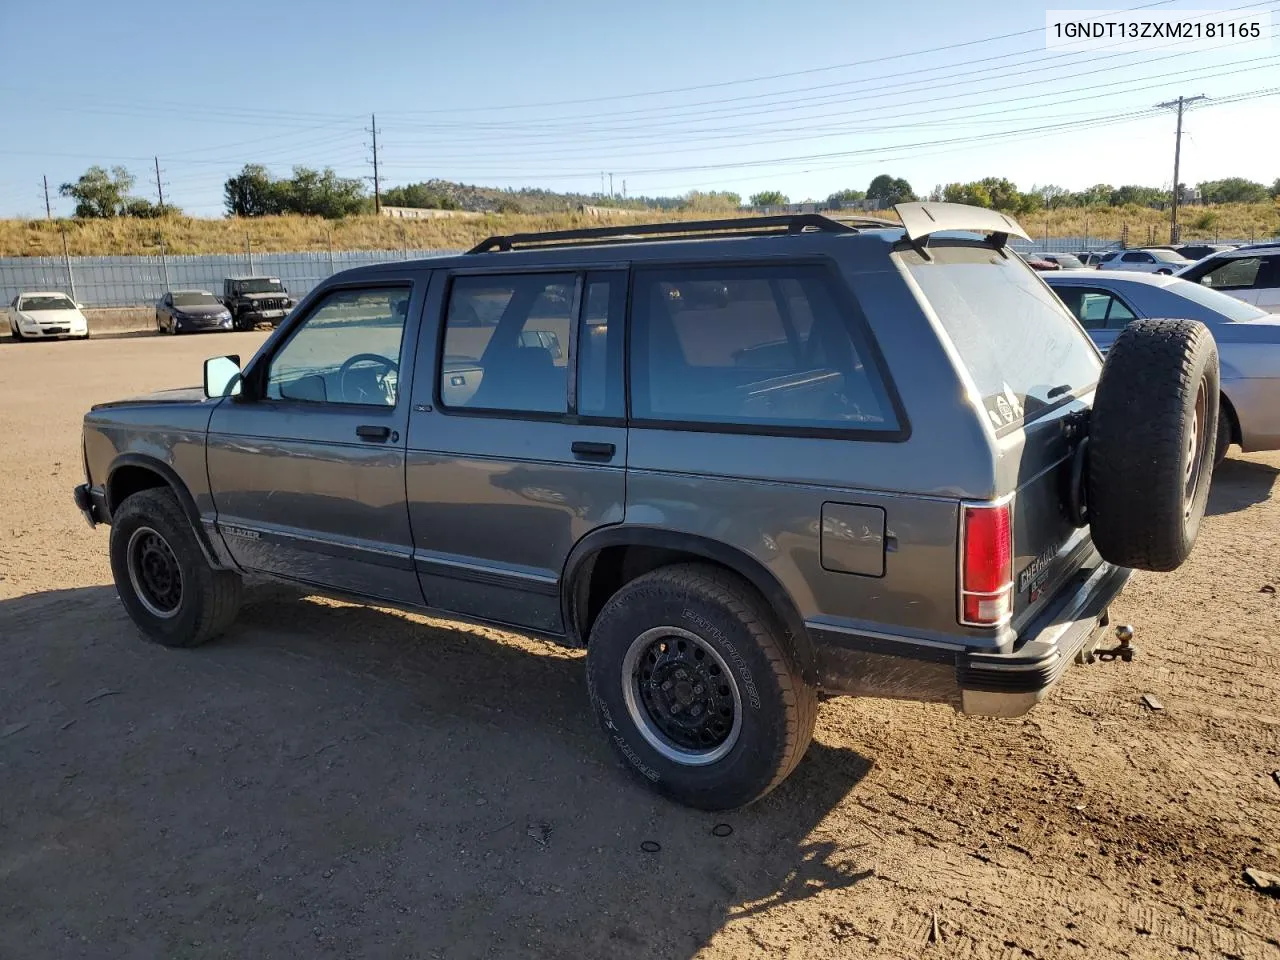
<point x="745" y="463"/>
<point x="255" y="300"/>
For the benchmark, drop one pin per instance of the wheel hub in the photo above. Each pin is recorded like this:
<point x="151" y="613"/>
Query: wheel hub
<point x="154" y="573"/>
<point x="681" y="695"/>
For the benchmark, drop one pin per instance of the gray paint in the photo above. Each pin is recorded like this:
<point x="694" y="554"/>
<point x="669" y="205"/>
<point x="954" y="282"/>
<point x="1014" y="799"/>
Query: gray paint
<point x="478" y="514"/>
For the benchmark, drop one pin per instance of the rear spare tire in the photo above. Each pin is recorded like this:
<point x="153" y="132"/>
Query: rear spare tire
<point x="1152" y="441"/>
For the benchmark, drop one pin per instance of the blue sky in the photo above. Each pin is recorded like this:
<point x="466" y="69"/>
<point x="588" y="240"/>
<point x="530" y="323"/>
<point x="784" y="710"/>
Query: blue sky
<point x="554" y="93"/>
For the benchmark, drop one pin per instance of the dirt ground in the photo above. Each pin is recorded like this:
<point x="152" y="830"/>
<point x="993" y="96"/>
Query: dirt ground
<point x="332" y="780"/>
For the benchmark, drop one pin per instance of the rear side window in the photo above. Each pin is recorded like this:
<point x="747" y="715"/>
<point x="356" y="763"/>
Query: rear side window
<point x="1236" y="274"/>
<point x="768" y="346"/>
<point x="1022" y="349"/>
<point x="506" y="343"/>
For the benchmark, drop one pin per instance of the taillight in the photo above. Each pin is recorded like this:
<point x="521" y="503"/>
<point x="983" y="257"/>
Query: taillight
<point x="986" y="564"/>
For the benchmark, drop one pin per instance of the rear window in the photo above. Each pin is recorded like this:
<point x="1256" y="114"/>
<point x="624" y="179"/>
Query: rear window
<point x="1022" y="348"/>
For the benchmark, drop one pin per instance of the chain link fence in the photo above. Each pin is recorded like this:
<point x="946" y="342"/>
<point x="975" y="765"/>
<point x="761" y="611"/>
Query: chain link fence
<point x="137" y="281"/>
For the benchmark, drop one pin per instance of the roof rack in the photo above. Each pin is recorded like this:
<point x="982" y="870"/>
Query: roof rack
<point x="780" y="225"/>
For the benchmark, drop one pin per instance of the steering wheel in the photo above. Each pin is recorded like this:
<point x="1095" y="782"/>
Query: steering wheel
<point x="363" y="395"/>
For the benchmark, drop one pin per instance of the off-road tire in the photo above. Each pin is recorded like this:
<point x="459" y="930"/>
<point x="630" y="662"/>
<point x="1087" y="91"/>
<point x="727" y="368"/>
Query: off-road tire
<point x="777" y="706"/>
<point x="210" y="599"/>
<point x="1143" y="415"/>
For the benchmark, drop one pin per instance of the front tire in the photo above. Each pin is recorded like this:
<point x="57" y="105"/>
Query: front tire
<point x="699" y="687"/>
<point x="162" y="576"/>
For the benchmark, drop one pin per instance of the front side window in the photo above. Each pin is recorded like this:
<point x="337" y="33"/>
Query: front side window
<point x="768" y="346"/>
<point x="506" y="343"/>
<point x="1021" y="348"/>
<point x="1138" y="257"/>
<point x="347" y="351"/>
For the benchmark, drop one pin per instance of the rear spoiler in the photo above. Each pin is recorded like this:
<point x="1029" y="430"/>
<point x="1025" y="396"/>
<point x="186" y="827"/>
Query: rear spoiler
<point x="921" y="220"/>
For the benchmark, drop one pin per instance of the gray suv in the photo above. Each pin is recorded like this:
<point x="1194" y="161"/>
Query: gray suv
<point x="745" y="463"/>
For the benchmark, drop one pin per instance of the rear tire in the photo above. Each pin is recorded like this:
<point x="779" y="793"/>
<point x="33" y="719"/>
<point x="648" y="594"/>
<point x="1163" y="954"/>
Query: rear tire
<point x="699" y="687"/>
<point x="162" y="576"/>
<point x="1152" y="442"/>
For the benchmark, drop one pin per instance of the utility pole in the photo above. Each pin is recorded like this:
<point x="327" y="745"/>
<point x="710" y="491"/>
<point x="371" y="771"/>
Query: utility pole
<point x="159" y="185"/>
<point x="602" y="183"/>
<point x="611" y="186"/>
<point x="377" y="184"/>
<point x="1177" y="156"/>
<point x="48" y="210"/>
<point x="624" y="189"/>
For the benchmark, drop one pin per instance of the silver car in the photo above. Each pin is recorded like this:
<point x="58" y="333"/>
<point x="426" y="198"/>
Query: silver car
<point x="1248" y="340"/>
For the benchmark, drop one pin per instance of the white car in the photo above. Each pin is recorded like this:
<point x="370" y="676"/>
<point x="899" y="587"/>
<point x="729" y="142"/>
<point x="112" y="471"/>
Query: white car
<point x="38" y="316"/>
<point x="1148" y="260"/>
<point x="1251" y="274"/>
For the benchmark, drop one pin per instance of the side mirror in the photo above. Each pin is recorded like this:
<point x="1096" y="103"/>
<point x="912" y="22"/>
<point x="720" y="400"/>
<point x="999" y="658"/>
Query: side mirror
<point x="222" y="376"/>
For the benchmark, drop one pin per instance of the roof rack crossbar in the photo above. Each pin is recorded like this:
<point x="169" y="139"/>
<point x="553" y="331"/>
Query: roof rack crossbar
<point x="677" y="229"/>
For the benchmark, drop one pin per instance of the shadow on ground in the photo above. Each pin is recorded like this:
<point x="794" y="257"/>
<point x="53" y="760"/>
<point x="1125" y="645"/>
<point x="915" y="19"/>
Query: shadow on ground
<point x="1238" y="484"/>
<point x="7" y="339"/>
<point x="338" y="780"/>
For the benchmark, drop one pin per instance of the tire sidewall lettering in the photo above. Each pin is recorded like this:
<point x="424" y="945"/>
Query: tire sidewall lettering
<point x="710" y="631"/>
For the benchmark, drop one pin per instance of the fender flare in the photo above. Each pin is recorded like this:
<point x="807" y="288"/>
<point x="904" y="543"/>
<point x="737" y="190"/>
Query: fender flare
<point x="581" y="558"/>
<point x="179" y="488"/>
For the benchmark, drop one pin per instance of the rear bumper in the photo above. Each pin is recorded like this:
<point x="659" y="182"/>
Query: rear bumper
<point x="92" y="503"/>
<point x="980" y="682"/>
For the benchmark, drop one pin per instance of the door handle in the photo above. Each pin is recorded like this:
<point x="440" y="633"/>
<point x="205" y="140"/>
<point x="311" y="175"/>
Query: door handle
<point x="370" y="432"/>
<point x="588" y="448"/>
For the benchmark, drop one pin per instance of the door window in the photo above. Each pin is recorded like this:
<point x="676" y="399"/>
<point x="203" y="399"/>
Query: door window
<point x="1138" y="257"/>
<point x="506" y="343"/>
<point x="1237" y="274"/>
<point x="600" y="377"/>
<point x="1096" y="309"/>
<point x="347" y="351"/>
<point x="765" y="345"/>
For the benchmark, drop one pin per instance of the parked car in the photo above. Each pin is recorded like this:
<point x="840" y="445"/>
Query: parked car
<point x="1248" y="341"/>
<point x="255" y="300"/>
<point x="182" y="311"/>
<point x="1090" y="258"/>
<point x="780" y="457"/>
<point x="46" y="315"/>
<point x="1251" y="274"/>
<point x="1065" y="261"/>
<point x="1037" y="262"/>
<point x="1147" y="260"/>
<point x="1198" y="251"/>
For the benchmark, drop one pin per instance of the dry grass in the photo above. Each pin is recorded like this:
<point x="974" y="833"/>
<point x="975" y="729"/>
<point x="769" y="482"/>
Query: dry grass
<point x="187" y="235"/>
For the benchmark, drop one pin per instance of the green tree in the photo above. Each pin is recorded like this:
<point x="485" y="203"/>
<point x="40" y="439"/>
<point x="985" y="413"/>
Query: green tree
<point x="322" y="194"/>
<point x="1274" y="190"/>
<point x="1140" y="196"/>
<point x="974" y="194"/>
<point x="768" y="198"/>
<point x="845" y="196"/>
<point x="98" y="193"/>
<point x="1052" y="196"/>
<point x="251" y="193"/>
<point x="1097" y="195"/>
<point x="418" y="195"/>
<point x="889" y="190"/>
<point x="1232" y="190"/>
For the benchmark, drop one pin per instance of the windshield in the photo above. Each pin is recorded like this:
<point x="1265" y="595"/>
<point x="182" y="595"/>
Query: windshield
<point x="261" y="286"/>
<point x="55" y="302"/>
<point x="1218" y="302"/>
<point x="1167" y="256"/>
<point x="195" y="299"/>
<point x="1022" y="348"/>
<point x="1067" y="261"/>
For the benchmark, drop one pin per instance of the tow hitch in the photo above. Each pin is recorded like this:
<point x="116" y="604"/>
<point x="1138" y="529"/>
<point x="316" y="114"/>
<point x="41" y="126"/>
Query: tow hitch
<point x="1123" y="650"/>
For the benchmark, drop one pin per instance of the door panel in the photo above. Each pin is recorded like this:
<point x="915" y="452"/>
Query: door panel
<point x="308" y="481"/>
<point x="498" y="498"/>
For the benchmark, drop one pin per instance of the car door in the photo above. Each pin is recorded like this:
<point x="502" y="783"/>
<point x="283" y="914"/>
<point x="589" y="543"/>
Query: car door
<point x="1266" y="285"/>
<point x="1137" y="260"/>
<point x="306" y="466"/>
<point x="517" y="436"/>
<point x="1103" y="313"/>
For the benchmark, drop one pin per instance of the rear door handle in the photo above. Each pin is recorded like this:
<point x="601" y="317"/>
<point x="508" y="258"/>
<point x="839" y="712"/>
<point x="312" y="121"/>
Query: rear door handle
<point x="588" y="448"/>
<point x="371" y="432"/>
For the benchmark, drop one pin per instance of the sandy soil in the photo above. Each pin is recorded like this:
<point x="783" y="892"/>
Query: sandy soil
<point x="332" y="780"/>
